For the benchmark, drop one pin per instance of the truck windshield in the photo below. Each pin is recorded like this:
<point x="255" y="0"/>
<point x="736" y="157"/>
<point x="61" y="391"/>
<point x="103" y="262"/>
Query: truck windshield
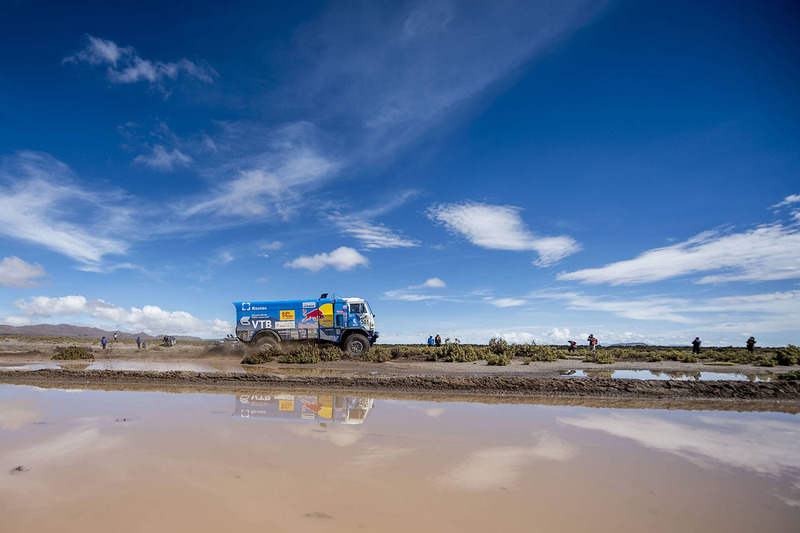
<point x="358" y="308"/>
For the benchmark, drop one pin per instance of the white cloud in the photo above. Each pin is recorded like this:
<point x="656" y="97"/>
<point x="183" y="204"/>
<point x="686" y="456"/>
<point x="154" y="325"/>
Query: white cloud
<point x="287" y="164"/>
<point x="789" y="200"/>
<point x="161" y="159"/>
<point x="43" y="306"/>
<point x="373" y="236"/>
<point x="499" y="227"/>
<point x="41" y="203"/>
<point x="342" y="258"/>
<point x="150" y="318"/>
<point x="14" y="272"/>
<point x="126" y="66"/>
<point x="769" y="252"/>
<point x="505" y="302"/>
<point x="648" y="308"/>
<point x="406" y="295"/>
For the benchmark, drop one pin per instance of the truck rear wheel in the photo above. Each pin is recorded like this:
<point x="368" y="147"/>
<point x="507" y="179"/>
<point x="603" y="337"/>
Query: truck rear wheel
<point x="265" y="341"/>
<point x="356" y="344"/>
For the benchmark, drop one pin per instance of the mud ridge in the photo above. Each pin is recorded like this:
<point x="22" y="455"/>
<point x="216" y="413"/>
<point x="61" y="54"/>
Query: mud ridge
<point x="491" y="385"/>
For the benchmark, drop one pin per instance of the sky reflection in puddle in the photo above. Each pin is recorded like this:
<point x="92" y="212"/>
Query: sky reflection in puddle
<point x="343" y="462"/>
<point x="664" y="376"/>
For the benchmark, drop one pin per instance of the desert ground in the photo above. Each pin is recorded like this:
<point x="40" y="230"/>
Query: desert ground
<point x="202" y="366"/>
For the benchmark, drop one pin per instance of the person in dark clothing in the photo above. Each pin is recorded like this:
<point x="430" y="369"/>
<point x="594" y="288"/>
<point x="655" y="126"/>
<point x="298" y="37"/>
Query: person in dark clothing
<point x="572" y="346"/>
<point x="438" y="340"/>
<point x="696" y="345"/>
<point x="751" y="344"/>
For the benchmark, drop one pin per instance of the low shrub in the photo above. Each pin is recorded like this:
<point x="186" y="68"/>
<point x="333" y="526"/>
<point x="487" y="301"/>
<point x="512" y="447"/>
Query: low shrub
<point x="788" y="356"/>
<point x="601" y="357"/>
<point x="534" y="352"/>
<point x="794" y="374"/>
<point x="72" y="352"/>
<point x="376" y="354"/>
<point x="495" y="359"/>
<point x="455" y="352"/>
<point x="498" y="346"/>
<point x="264" y="355"/>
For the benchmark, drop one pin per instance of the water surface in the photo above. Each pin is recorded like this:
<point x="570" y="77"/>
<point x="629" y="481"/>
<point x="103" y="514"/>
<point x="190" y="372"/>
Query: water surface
<point x="133" y="461"/>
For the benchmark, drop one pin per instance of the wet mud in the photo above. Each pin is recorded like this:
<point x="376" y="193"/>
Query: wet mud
<point x="498" y="386"/>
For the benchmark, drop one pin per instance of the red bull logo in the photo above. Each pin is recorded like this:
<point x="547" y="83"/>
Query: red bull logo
<point x="312" y="315"/>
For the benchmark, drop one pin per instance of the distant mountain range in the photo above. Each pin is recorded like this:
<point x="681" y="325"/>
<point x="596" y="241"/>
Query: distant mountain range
<point x="67" y="330"/>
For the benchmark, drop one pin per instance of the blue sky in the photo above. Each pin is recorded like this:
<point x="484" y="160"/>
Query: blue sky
<point x="535" y="170"/>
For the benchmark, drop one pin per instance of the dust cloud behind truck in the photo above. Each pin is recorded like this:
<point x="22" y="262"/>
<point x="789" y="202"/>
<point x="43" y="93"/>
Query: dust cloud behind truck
<point x="329" y="319"/>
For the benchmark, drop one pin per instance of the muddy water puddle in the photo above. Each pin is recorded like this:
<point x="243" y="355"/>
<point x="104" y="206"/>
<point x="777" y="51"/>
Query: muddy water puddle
<point x="679" y="376"/>
<point x="142" y="461"/>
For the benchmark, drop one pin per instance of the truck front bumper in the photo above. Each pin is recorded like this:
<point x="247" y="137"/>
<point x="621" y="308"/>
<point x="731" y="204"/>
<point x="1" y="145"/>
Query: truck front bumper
<point x="373" y="337"/>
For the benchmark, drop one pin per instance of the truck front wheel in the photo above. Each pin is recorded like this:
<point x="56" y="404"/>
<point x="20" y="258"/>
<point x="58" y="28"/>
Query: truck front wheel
<point x="356" y="344"/>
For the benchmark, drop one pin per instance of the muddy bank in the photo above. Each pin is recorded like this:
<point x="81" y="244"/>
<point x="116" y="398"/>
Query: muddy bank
<point x="476" y="385"/>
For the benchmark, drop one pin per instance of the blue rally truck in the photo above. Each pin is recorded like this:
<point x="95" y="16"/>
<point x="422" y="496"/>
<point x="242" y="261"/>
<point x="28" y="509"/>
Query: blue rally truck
<point x="348" y="322"/>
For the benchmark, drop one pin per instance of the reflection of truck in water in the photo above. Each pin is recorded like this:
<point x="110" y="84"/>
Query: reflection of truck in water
<point x="322" y="409"/>
<point x="348" y="322"/>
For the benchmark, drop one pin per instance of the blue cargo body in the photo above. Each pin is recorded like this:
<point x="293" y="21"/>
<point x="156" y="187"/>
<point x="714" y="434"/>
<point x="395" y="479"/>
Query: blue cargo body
<point x="348" y="322"/>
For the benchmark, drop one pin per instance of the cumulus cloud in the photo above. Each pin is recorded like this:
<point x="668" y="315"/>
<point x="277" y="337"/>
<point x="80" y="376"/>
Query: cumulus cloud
<point x="14" y="272"/>
<point x="164" y="160"/>
<point x="41" y="202"/>
<point x="342" y="258"/>
<point x="124" y="65"/>
<point x="769" y="252"/>
<point x="150" y="318"/>
<point x="410" y="293"/>
<point x="500" y="227"/>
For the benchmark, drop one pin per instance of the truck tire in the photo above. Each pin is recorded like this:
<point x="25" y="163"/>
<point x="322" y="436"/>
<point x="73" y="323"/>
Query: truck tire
<point x="356" y="344"/>
<point x="264" y="341"/>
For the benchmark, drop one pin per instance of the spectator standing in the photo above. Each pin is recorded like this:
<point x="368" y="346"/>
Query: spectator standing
<point x="430" y="340"/>
<point x="751" y="344"/>
<point x="138" y="343"/>
<point x="103" y="341"/>
<point x="438" y="340"/>
<point x="115" y="337"/>
<point x="696" y="345"/>
<point x="592" y="342"/>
